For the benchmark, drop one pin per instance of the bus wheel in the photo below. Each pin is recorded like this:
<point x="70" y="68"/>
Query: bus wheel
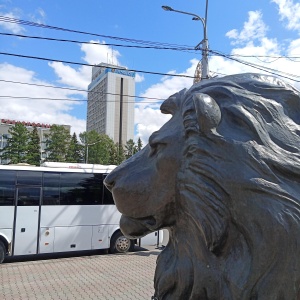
<point x="2" y="252"/>
<point x="120" y="243"/>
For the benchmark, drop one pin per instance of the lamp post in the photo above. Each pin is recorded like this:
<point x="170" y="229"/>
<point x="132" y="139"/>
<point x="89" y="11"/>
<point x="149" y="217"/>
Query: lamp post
<point x="87" y="150"/>
<point x="42" y="142"/>
<point x="204" y="42"/>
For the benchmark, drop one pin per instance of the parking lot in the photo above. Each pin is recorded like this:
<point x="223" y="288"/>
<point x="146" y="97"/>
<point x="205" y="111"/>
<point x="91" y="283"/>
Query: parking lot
<point x="104" y="276"/>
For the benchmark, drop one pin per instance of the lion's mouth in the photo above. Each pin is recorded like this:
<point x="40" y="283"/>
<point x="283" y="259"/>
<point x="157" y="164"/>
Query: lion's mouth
<point x="137" y="228"/>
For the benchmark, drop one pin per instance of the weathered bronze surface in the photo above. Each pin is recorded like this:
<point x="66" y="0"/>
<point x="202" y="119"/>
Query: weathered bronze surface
<point x="223" y="175"/>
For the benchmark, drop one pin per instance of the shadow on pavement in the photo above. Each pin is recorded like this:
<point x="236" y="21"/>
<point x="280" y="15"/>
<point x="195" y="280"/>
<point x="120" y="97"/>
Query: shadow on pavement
<point x="36" y="257"/>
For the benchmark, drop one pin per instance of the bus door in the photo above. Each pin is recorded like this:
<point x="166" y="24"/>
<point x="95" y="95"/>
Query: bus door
<point x="26" y="220"/>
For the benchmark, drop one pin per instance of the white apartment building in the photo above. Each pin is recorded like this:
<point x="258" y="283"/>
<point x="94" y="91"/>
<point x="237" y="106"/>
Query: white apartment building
<point x="110" y="108"/>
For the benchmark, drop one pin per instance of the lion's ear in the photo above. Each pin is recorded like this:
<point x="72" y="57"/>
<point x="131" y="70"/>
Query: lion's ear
<point x="208" y="112"/>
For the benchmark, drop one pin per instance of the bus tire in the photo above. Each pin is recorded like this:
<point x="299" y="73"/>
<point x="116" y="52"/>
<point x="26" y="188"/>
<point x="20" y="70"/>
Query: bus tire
<point x="120" y="243"/>
<point x="2" y="252"/>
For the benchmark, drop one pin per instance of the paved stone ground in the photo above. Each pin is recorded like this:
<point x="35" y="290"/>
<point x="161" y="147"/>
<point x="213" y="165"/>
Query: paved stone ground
<point x="124" y="276"/>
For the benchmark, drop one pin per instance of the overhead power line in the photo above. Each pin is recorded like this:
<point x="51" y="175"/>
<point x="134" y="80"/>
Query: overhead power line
<point x="90" y="65"/>
<point x="232" y="57"/>
<point x="77" y="90"/>
<point x="259" y="67"/>
<point x="178" y="48"/>
<point x="78" y="100"/>
<point x="28" y="23"/>
<point x="265" y="56"/>
<point x="151" y="43"/>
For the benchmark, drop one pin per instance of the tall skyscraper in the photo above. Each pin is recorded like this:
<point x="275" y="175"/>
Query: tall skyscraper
<point x="110" y="108"/>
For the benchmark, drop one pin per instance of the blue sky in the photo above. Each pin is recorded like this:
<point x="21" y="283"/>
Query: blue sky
<point x="263" y="29"/>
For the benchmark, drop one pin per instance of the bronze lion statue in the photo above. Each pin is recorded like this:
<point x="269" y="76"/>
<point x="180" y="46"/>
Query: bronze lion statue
<point x="223" y="176"/>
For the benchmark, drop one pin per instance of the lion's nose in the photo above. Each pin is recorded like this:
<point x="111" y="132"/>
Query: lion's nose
<point x="109" y="182"/>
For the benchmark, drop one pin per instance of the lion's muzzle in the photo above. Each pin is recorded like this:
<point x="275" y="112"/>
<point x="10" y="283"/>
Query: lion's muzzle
<point x="135" y="228"/>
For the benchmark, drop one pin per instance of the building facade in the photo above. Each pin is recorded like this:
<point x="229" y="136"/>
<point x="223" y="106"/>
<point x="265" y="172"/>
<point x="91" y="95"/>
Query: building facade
<point x="110" y="108"/>
<point x="42" y="129"/>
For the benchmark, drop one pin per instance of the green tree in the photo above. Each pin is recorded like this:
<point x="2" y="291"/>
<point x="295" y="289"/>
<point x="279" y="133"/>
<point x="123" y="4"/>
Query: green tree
<point x="130" y="148"/>
<point x="98" y="148"/>
<point x="120" y="154"/>
<point x="114" y="155"/>
<point x="33" y="156"/>
<point x="16" y="148"/>
<point x="139" y="144"/>
<point x="75" y="150"/>
<point x="57" y="143"/>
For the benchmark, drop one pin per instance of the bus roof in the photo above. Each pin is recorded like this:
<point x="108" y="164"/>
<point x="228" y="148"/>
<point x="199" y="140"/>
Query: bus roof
<point x="62" y="167"/>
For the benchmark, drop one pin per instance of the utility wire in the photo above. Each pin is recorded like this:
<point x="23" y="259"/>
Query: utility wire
<point x="23" y="22"/>
<point x="181" y="48"/>
<point x="90" y="65"/>
<point x="28" y="23"/>
<point x="77" y="100"/>
<point x="262" y="68"/>
<point x="264" y="56"/>
<point x="78" y="90"/>
<point x="171" y="46"/>
<point x="258" y="67"/>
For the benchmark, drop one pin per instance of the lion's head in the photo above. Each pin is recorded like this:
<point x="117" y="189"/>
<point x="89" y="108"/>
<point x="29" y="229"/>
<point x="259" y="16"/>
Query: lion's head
<point x="223" y="175"/>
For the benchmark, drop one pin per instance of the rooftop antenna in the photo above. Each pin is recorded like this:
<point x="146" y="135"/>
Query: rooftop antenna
<point x="112" y="55"/>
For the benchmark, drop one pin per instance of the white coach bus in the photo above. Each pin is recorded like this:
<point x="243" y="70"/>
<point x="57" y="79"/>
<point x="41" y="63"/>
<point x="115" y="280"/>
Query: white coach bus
<point x="60" y="207"/>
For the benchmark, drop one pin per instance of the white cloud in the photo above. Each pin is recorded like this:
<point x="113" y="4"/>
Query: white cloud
<point x="259" y="50"/>
<point x="139" y="78"/>
<point x="147" y="121"/>
<point x="289" y="11"/>
<point x="99" y="52"/>
<point x="12" y="27"/>
<point x="39" y="16"/>
<point x="39" y="110"/>
<point x="170" y="84"/>
<point x="93" y="54"/>
<point x="253" y="29"/>
<point x="148" y="117"/>
<point x="41" y="12"/>
<point x="294" y="48"/>
<point x="79" y="78"/>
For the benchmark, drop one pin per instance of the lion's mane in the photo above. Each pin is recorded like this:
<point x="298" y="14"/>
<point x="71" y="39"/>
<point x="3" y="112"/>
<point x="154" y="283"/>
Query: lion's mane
<point x="237" y="234"/>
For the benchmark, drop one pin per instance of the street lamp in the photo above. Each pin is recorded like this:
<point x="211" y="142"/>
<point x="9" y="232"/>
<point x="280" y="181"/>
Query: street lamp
<point x="87" y="150"/>
<point x="204" y="42"/>
<point x="42" y="142"/>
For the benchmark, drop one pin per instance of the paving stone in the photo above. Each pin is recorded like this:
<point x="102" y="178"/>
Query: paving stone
<point x="111" y="277"/>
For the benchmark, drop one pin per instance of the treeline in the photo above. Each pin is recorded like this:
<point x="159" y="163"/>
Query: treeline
<point x="24" y="146"/>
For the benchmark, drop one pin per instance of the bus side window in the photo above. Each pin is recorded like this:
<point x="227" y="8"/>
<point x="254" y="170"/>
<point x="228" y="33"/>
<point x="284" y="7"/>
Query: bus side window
<point x="7" y="187"/>
<point x="95" y="189"/>
<point x="107" y="195"/>
<point x="51" y="183"/>
<point x="80" y="189"/>
<point x="29" y="178"/>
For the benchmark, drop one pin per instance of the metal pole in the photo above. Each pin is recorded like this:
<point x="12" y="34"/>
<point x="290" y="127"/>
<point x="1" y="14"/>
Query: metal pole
<point x="87" y="153"/>
<point x="204" y="42"/>
<point x="121" y="114"/>
<point x="205" y="69"/>
<point x="41" y="145"/>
